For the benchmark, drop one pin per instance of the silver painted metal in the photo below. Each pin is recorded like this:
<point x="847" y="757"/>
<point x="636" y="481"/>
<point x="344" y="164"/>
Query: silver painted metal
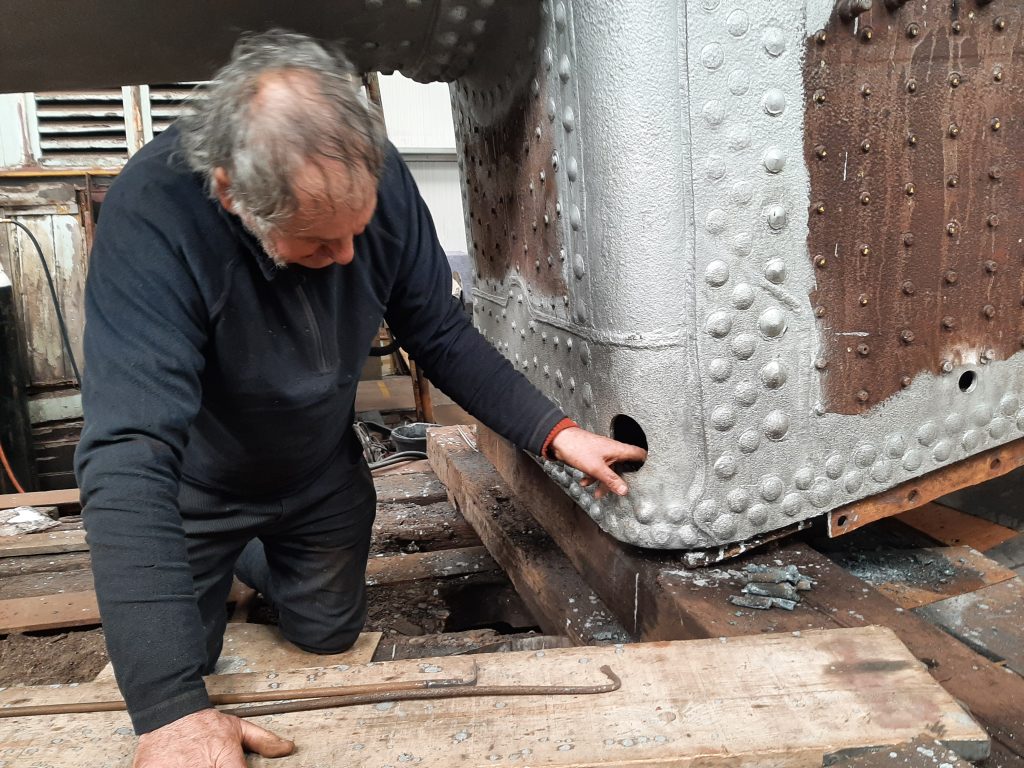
<point x="686" y="295"/>
<point x="638" y="214"/>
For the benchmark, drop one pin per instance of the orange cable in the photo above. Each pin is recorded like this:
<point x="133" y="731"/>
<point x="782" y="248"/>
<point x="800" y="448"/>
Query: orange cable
<point x="10" y="472"/>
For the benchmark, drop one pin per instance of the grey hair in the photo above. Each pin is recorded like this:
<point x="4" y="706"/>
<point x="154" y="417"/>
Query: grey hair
<point x="262" y="149"/>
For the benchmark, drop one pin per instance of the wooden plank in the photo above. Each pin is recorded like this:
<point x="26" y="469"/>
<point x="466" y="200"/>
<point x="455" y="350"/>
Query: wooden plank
<point x="413" y="489"/>
<point x="953" y="527"/>
<point x="47" y="583"/>
<point x="262" y="648"/>
<point x="988" y="620"/>
<point x="55" y="609"/>
<point x="552" y="589"/>
<point x="397" y="569"/>
<point x="30" y="614"/>
<point x="655" y="597"/>
<point x="45" y="543"/>
<point x="392" y="393"/>
<point x="64" y="498"/>
<point x="920" y="753"/>
<point x="915" y="577"/>
<point x="421" y="527"/>
<point x="739" y="703"/>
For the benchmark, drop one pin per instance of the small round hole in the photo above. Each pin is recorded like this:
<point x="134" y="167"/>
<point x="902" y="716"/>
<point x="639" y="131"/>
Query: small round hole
<point x="841" y="521"/>
<point x="625" y="429"/>
<point x="913" y="496"/>
<point x="996" y="463"/>
<point x="968" y="379"/>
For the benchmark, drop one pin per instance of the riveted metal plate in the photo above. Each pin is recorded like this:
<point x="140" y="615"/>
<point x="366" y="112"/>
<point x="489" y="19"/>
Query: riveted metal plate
<point x="696" y="300"/>
<point x="912" y="140"/>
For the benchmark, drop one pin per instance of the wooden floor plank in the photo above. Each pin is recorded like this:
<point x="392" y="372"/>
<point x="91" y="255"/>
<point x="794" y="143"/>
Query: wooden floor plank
<point x="31" y="614"/>
<point x="64" y="498"/>
<point x="953" y="527"/>
<point x="45" y="543"/>
<point x="397" y="569"/>
<point x="744" y="702"/>
<point x="653" y="594"/>
<point x="553" y="590"/>
<point x="915" y="577"/>
<point x="988" y="620"/>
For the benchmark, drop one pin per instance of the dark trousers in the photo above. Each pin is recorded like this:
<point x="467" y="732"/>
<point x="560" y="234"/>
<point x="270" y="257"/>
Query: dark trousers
<point x="305" y="553"/>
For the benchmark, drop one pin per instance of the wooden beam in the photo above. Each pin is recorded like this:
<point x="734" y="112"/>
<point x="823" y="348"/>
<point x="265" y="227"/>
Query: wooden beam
<point x="953" y="527"/>
<point x="657" y="598"/>
<point x="425" y="527"/>
<point x="64" y="498"/>
<point x="398" y="569"/>
<point x="414" y="488"/>
<point x="781" y="701"/>
<point x="552" y="589"/>
<point x="43" y="543"/>
<point x="31" y="614"/>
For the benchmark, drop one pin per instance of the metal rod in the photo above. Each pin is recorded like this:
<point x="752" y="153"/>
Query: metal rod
<point x="374" y="689"/>
<point x="455" y="692"/>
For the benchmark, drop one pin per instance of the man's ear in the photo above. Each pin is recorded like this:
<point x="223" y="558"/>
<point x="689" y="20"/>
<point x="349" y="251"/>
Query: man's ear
<point x="222" y="188"/>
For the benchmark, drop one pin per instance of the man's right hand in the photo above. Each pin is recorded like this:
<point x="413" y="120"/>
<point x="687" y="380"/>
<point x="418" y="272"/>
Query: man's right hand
<point x="207" y="739"/>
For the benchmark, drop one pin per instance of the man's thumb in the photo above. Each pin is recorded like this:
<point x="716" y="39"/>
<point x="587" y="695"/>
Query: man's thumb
<point x="263" y="742"/>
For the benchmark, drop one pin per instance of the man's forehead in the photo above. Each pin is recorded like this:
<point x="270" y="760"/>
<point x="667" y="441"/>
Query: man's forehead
<point x="328" y="191"/>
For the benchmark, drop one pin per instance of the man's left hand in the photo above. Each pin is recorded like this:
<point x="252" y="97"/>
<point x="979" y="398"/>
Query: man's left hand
<point x="595" y="456"/>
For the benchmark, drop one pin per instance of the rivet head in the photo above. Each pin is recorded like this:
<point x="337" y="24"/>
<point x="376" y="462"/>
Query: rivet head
<point x="821" y="363"/>
<point x="867" y="34"/>
<point x="999" y="24"/>
<point x="957" y="27"/>
<point x="819" y="311"/>
<point x="907" y="336"/>
<point x="906" y="381"/>
<point x="863" y="300"/>
<point x="995" y="173"/>
<point x="947" y="366"/>
<point x="908" y="288"/>
<point x="953" y="181"/>
<point x="863" y="350"/>
<point x="908" y="239"/>
<point x="912" y="140"/>
<point x="953" y="229"/>
<point x="865" y="198"/>
<point x="819" y="208"/>
<point x="954" y="130"/>
<point x="955" y="80"/>
<point x="821" y="37"/>
<point x="948" y="323"/>
<point x="863" y="396"/>
<point x="997" y="74"/>
<point x="865" y="250"/>
<point x="910" y="189"/>
<point x="820" y="262"/>
<point x="911" y="86"/>
<point x="991" y="266"/>
<point x="950" y="276"/>
<point x="996" y="123"/>
<point x="819" y="97"/>
<point x="820" y="152"/>
<point x="865" y="146"/>
<point x="865" y="90"/>
<point x="913" y="30"/>
<point x="988" y="311"/>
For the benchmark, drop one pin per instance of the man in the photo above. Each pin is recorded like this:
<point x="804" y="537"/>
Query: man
<point x="242" y="267"/>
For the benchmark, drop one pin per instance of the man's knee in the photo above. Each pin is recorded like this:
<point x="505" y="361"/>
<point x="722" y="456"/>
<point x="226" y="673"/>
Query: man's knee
<point x="325" y="643"/>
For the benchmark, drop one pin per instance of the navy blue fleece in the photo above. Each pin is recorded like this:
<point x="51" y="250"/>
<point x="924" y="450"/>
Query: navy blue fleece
<point x="207" y="363"/>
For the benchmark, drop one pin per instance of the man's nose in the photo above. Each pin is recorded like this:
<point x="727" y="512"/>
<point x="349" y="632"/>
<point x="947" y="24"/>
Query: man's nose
<point x="343" y="252"/>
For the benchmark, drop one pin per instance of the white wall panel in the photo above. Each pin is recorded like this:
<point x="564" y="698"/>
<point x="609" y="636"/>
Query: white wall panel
<point x="419" y="116"/>
<point x="439" y="186"/>
<point x="14" y="148"/>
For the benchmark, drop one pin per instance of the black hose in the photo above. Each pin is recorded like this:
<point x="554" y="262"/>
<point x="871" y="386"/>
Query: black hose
<point x="53" y="296"/>
<point x="398" y="458"/>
